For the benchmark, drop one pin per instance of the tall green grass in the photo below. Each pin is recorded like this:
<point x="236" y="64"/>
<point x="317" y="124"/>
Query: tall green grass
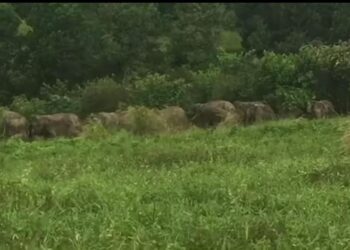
<point x="277" y="185"/>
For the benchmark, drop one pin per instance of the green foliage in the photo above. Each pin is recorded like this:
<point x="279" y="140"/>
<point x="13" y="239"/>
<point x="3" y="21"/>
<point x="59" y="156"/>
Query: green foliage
<point x="203" y="84"/>
<point x="241" y="73"/>
<point x="62" y="104"/>
<point x="279" y="69"/>
<point x="28" y="107"/>
<point x="54" y="99"/>
<point x="9" y="16"/>
<point x="233" y="52"/>
<point x="234" y="78"/>
<point x="330" y="58"/>
<point x="155" y="90"/>
<point x="103" y="95"/>
<point x="60" y="99"/>
<point x="230" y="41"/>
<point x="291" y="98"/>
<point x="24" y="29"/>
<point x="285" y="82"/>
<point x="331" y="67"/>
<point x="196" y="32"/>
<point x="59" y="88"/>
<point x="286" y="27"/>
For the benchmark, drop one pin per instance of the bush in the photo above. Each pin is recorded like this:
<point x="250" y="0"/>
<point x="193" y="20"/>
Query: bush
<point x="277" y="72"/>
<point x="59" y="88"/>
<point x="203" y="84"/>
<point x="279" y="69"/>
<point x="234" y="78"/>
<point x="60" y="99"/>
<point x="291" y="98"/>
<point x="28" y="107"/>
<point x="35" y="106"/>
<point x="331" y="68"/>
<point x="103" y="95"/>
<point x="62" y="104"/>
<point x="240" y="76"/>
<point x="155" y="90"/>
<point x="284" y="82"/>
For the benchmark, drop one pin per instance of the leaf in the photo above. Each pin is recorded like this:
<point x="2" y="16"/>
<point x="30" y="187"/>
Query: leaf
<point x="24" y="29"/>
<point x="230" y="41"/>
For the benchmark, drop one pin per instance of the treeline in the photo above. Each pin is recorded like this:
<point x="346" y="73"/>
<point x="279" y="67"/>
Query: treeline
<point x="90" y="57"/>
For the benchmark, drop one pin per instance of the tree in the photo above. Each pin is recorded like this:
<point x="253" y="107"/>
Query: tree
<point x="12" y="30"/>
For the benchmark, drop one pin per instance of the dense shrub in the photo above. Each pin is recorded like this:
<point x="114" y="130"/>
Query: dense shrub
<point x="284" y="82"/>
<point x="28" y="107"/>
<point x="331" y="68"/>
<point x="60" y="99"/>
<point x="59" y="88"/>
<point x="103" y="95"/>
<point x="233" y="78"/>
<point x="155" y="90"/>
<point x="53" y="99"/>
<point x="292" y="98"/>
<point x="203" y="83"/>
<point x="287" y="82"/>
<point x="240" y="76"/>
<point x="62" y="104"/>
<point x="278" y="69"/>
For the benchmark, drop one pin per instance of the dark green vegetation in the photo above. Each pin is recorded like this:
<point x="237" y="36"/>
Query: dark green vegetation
<point x="278" y="185"/>
<point x="83" y="58"/>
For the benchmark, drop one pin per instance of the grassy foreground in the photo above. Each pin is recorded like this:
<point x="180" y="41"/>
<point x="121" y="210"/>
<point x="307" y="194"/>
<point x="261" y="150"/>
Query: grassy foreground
<point x="278" y="185"/>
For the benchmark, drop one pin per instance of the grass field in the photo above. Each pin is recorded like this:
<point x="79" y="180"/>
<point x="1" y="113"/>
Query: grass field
<point x="278" y="185"/>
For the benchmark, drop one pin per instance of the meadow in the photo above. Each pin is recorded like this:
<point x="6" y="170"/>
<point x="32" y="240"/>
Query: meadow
<point x="276" y="185"/>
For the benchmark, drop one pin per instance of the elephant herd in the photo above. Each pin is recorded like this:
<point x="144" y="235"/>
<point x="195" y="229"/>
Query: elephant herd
<point x="46" y="126"/>
<point x="204" y="115"/>
<point x="215" y="112"/>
